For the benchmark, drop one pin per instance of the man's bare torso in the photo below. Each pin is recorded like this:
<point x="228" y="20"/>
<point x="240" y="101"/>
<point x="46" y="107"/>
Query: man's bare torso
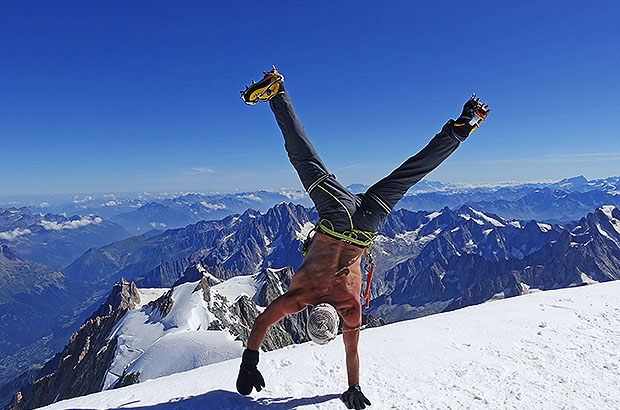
<point x="331" y="273"/>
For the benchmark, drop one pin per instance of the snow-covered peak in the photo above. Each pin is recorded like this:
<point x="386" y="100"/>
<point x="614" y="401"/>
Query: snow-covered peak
<point x="169" y="335"/>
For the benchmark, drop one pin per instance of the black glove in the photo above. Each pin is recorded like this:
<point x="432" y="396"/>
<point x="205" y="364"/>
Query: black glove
<point x="249" y="376"/>
<point x="354" y="398"/>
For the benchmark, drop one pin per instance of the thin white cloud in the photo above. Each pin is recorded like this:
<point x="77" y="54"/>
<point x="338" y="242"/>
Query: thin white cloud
<point x="213" y="207"/>
<point x="293" y="194"/>
<point x="352" y="166"/>
<point x="252" y="197"/>
<point x="588" y="155"/>
<point x="11" y="235"/>
<point x="202" y="170"/>
<point x="75" y="224"/>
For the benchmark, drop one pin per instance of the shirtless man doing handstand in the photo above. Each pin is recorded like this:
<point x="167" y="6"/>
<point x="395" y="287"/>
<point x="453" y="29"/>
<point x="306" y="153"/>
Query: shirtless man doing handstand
<point x="331" y="271"/>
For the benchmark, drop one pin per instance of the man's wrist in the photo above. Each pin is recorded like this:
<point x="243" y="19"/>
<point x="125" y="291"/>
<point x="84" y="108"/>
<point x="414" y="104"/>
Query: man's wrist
<point x="355" y="387"/>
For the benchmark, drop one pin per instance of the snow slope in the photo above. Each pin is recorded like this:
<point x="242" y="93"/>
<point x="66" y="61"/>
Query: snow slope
<point x="547" y="350"/>
<point x="156" y="346"/>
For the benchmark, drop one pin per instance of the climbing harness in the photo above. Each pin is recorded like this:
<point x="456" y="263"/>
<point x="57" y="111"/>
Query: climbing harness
<point x="357" y="237"/>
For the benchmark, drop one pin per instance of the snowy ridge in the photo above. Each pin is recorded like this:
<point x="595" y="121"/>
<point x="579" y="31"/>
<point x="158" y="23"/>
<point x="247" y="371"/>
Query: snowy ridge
<point x="551" y="350"/>
<point x="234" y="288"/>
<point x="181" y="335"/>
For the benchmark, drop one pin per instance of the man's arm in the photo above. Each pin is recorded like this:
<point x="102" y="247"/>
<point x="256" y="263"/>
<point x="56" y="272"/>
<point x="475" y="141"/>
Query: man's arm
<point x="353" y="397"/>
<point x="351" y="340"/>
<point x="249" y="377"/>
<point x="352" y="319"/>
<point x="286" y="304"/>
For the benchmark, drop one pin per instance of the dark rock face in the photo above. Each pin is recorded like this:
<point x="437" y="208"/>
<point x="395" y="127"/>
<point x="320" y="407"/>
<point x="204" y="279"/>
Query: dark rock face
<point x="79" y="369"/>
<point x="203" y="285"/>
<point x="163" y="304"/>
<point x="276" y="282"/>
<point x="127" y="379"/>
<point x="124" y="295"/>
<point x="20" y="383"/>
<point x="291" y="329"/>
<point x="165" y="275"/>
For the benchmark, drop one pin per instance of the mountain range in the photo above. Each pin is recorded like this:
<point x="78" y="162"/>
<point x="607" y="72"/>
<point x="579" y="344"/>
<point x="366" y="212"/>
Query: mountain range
<point x="52" y="239"/>
<point x="551" y="202"/>
<point x="428" y="261"/>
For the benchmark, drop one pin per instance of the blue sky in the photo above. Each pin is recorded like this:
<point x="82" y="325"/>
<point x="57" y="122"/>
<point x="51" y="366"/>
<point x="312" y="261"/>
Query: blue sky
<point x="133" y="96"/>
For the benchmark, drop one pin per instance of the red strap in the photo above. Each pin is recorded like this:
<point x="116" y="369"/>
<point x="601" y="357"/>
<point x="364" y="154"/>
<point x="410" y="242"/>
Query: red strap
<point x="368" y="279"/>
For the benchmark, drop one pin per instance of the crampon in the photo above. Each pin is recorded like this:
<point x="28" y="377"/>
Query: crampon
<point x="267" y="87"/>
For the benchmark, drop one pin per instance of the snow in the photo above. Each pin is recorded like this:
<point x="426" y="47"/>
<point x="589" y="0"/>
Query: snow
<point x="302" y="234"/>
<point x="608" y="211"/>
<point x="544" y="227"/>
<point x="156" y="346"/>
<point x="234" y="288"/>
<point x="487" y="218"/>
<point x="607" y="235"/>
<point x="467" y="218"/>
<point x="433" y="215"/>
<point x="546" y="350"/>
<point x="411" y="237"/>
<point x="516" y="224"/>
<point x="147" y="295"/>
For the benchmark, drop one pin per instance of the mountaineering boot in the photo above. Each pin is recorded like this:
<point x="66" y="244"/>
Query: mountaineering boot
<point x="474" y="112"/>
<point x="270" y="85"/>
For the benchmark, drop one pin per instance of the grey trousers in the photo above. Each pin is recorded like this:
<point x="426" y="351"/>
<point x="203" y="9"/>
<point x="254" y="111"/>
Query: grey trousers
<point x="369" y="209"/>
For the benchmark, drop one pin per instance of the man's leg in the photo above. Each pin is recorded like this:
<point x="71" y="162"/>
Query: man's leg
<point x="331" y="204"/>
<point x="381" y="198"/>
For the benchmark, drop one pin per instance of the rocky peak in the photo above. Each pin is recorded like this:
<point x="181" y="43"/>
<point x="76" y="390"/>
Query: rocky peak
<point x="206" y="289"/>
<point x="124" y="295"/>
<point x="80" y="367"/>
<point x="209" y="269"/>
<point x="273" y="282"/>
<point x="163" y="304"/>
